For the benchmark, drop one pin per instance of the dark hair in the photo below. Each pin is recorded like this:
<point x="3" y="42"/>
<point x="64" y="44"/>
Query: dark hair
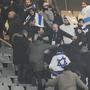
<point x="64" y="17"/>
<point x="59" y="49"/>
<point x="81" y="20"/>
<point x="40" y="38"/>
<point x="45" y="9"/>
<point x="31" y="9"/>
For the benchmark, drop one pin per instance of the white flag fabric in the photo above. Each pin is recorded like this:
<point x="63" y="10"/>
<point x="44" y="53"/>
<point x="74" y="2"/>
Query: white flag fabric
<point x="58" y="62"/>
<point x="39" y="20"/>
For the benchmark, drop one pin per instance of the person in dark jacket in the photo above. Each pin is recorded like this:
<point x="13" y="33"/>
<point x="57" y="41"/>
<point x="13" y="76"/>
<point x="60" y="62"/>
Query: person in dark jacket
<point x="56" y="38"/>
<point x="27" y="5"/>
<point x="5" y="6"/>
<point x="81" y="36"/>
<point x="88" y="39"/>
<point x="1" y="24"/>
<point x="56" y="35"/>
<point x="13" y="24"/>
<point x="29" y="23"/>
<point x="20" y="45"/>
<point x="36" y="57"/>
<point x="80" y="41"/>
<point x="13" y="5"/>
<point x="57" y="18"/>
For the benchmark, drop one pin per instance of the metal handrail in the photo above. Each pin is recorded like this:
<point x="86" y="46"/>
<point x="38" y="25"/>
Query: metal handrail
<point x="5" y="42"/>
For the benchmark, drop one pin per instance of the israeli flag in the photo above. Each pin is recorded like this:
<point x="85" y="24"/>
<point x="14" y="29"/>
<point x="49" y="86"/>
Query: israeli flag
<point x="58" y="63"/>
<point x="39" y="20"/>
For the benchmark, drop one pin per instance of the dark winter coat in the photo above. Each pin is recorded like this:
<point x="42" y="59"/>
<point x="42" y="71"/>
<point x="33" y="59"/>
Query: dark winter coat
<point x="20" y="46"/>
<point x="36" y="56"/>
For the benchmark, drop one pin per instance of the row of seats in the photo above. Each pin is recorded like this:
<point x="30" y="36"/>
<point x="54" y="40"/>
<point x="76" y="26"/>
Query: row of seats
<point x="11" y="83"/>
<point x="6" y="59"/>
<point x="17" y="88"/>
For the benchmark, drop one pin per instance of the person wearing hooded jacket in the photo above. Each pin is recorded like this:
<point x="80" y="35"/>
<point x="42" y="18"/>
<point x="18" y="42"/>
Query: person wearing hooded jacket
<point x="36" y="57"/>
<point x="67" y="80"/>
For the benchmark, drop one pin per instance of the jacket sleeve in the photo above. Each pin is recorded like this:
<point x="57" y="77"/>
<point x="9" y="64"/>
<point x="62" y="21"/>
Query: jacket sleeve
<point x="48" y="46"/>
<point x="67" y="35"/>
<point x="52" y="63"/>
<point x="52" y="82"/>
<point x="80" y="83"/>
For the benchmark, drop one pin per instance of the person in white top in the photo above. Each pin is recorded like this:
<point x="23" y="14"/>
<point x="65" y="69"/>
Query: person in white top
<point x="85" y="12"/>
<point x="58" y="62"/>
<point x="68" y="28"/>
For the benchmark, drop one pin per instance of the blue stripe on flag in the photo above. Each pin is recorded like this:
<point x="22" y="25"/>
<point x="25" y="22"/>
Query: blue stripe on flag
<point x="87" y="19"/>
<point x="40" y="19"/>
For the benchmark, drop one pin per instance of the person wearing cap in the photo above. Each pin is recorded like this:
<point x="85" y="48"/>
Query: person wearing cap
<point x="67" y="80"/>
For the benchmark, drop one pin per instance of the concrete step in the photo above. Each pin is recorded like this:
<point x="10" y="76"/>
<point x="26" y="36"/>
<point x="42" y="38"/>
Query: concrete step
<point x="21" y="87"/>
<point x="49" y="88"/>
<point x="17" y="88"/>
<point x="6" y="81"/>
<point x="5" y="59"/>
<point x="14" y="80"/>
<point x="4" y="87"/>
<point x="7" y="72"/>
<point x="31" y="88"/>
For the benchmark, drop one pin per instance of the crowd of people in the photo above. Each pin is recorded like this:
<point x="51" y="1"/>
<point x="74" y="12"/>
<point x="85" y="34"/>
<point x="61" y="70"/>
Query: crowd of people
<point x="46" y="44"/>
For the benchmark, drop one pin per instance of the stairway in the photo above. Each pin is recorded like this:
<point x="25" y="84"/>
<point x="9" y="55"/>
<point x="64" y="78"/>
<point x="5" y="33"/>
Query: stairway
<point x="8" y="80"/>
